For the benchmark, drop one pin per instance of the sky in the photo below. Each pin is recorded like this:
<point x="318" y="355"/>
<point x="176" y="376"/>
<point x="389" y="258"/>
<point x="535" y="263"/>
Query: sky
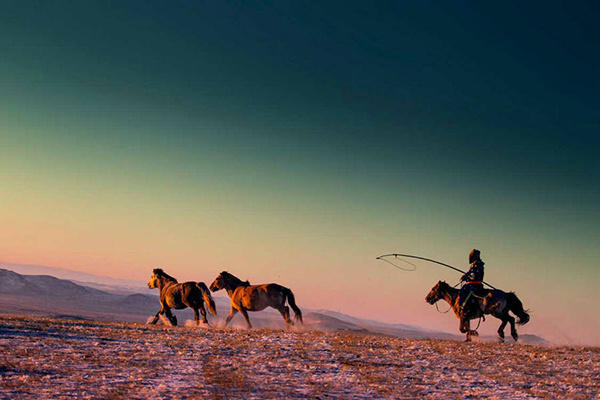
<point x="294" y="142"/>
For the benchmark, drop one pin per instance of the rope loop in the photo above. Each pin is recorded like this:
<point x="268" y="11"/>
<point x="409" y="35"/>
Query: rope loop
<point x="414" y="267"/>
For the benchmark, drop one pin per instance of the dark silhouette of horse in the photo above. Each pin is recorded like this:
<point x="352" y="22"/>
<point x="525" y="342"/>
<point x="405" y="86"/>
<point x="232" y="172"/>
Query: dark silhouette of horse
<point x="245" y="297"/>
<point x="180" y="295"/>
<point x="494" y="302"/>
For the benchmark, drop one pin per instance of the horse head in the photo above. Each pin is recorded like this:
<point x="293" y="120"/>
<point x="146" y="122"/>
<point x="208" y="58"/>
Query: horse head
<point x="219" y="282"/>
<point x="159" y="275"/>
<point x="437" y="292"/>
<point x="227" y="281"/>
<point x="153" y="282"/>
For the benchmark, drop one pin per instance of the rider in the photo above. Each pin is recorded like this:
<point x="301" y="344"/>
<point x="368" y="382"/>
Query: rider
<point x="473" y="281"/>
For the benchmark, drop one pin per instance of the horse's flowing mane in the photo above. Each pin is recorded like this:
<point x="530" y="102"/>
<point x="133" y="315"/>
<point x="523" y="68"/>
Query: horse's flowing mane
<point x="159" y="272"/>
<point x="233" y="280"/>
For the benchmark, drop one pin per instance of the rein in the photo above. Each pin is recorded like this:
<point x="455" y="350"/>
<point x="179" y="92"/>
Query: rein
<point x="442" y="312"/>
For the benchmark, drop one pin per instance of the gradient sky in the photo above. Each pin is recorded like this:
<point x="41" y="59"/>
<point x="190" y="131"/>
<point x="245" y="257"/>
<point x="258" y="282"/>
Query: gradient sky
<point x="296" y="142"/>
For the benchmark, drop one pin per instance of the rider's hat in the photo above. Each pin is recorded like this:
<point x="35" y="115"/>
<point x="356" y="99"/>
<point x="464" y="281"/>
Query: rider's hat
<point x="474" y="255"/>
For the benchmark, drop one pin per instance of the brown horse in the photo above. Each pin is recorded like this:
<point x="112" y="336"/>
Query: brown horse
<point x="494" y="302"/>
<point x="180" y="295"/>
<point x="245" y="297"/>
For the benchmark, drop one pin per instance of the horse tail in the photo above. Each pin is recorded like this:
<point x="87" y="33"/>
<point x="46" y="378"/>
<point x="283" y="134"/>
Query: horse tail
<point x="207" y="297"/>
<point x="515" y="305"/>
<point x="292" y="302"/>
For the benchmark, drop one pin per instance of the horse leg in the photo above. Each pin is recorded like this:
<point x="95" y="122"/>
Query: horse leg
<point x="171" y="317"/>
<point x="203" y="312"/>
<point x="513" y="330"/>
<point x="155" y="319"/>
<point x="245" y="314"/>
<point x="501" y="329"/>
<point x="285" y="313"/>
<point x="465" y="327"/>
<point x="231" y="314"/>
<point x="287" y="316"/>
<point x="196" y="315"/>
<point x="194" y="306"/>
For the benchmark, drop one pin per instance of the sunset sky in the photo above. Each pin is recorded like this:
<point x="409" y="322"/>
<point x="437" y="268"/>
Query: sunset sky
<point x="296" y="142"/>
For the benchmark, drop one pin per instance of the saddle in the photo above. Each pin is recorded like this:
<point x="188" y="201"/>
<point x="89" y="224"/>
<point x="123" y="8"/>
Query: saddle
<point x="476" y="299"/>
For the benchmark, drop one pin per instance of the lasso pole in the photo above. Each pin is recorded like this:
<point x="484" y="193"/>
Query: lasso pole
<point x="427" y="259"/>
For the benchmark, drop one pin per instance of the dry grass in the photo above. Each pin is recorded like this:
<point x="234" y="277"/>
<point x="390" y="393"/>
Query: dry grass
<point x="51" y="358"/>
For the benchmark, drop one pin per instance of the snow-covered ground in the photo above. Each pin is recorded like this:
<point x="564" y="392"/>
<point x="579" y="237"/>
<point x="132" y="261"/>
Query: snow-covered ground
<point x="58" y="358"/>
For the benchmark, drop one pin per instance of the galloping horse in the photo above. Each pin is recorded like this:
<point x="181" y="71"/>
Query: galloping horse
<point x="245" y="297"/>
<point x="496" y="303"/>
<point x="180" y="295"/>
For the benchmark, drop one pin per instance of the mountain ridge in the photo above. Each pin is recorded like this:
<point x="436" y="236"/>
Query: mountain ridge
<point x="83" y="278"/>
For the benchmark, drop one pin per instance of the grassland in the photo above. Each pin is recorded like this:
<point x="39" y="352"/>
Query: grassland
<point x="65" y="359"/>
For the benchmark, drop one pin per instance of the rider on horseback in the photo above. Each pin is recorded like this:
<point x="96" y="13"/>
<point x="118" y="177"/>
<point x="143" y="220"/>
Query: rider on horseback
<point x="473" y="283"/>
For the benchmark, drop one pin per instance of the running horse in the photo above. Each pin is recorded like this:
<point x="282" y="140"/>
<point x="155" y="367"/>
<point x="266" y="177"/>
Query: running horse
<point x="179" y="296"/>
<point x="245" y="297"/>
<point x="494" y="302"/>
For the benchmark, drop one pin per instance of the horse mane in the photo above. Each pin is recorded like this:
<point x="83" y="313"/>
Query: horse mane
<point x="443" y="283"/>
<point x="234" y="279"/>
<point x="446" y="287"/>
<point x="163" y="274"/>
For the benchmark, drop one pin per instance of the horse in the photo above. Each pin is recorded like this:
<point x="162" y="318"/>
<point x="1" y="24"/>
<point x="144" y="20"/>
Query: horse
<point x="245" y="297"/>
<point x="179" y="296"/>
<point x="495" y="302"/>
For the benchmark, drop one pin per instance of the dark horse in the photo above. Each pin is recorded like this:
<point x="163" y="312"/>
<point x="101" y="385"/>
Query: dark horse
<point x="245" y="297"/>
<point x="180" y="295"/>
<point x="494" y="302"/>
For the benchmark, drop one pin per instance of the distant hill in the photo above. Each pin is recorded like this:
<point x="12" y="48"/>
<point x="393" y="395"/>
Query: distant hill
<point x="534" y="339"/>
<point x="42" y="285"/>
<point x="104" y="283"/>
<point x="48" y="295"/>
<point x="402" y="330"/>
<point x="13" y="283"/>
